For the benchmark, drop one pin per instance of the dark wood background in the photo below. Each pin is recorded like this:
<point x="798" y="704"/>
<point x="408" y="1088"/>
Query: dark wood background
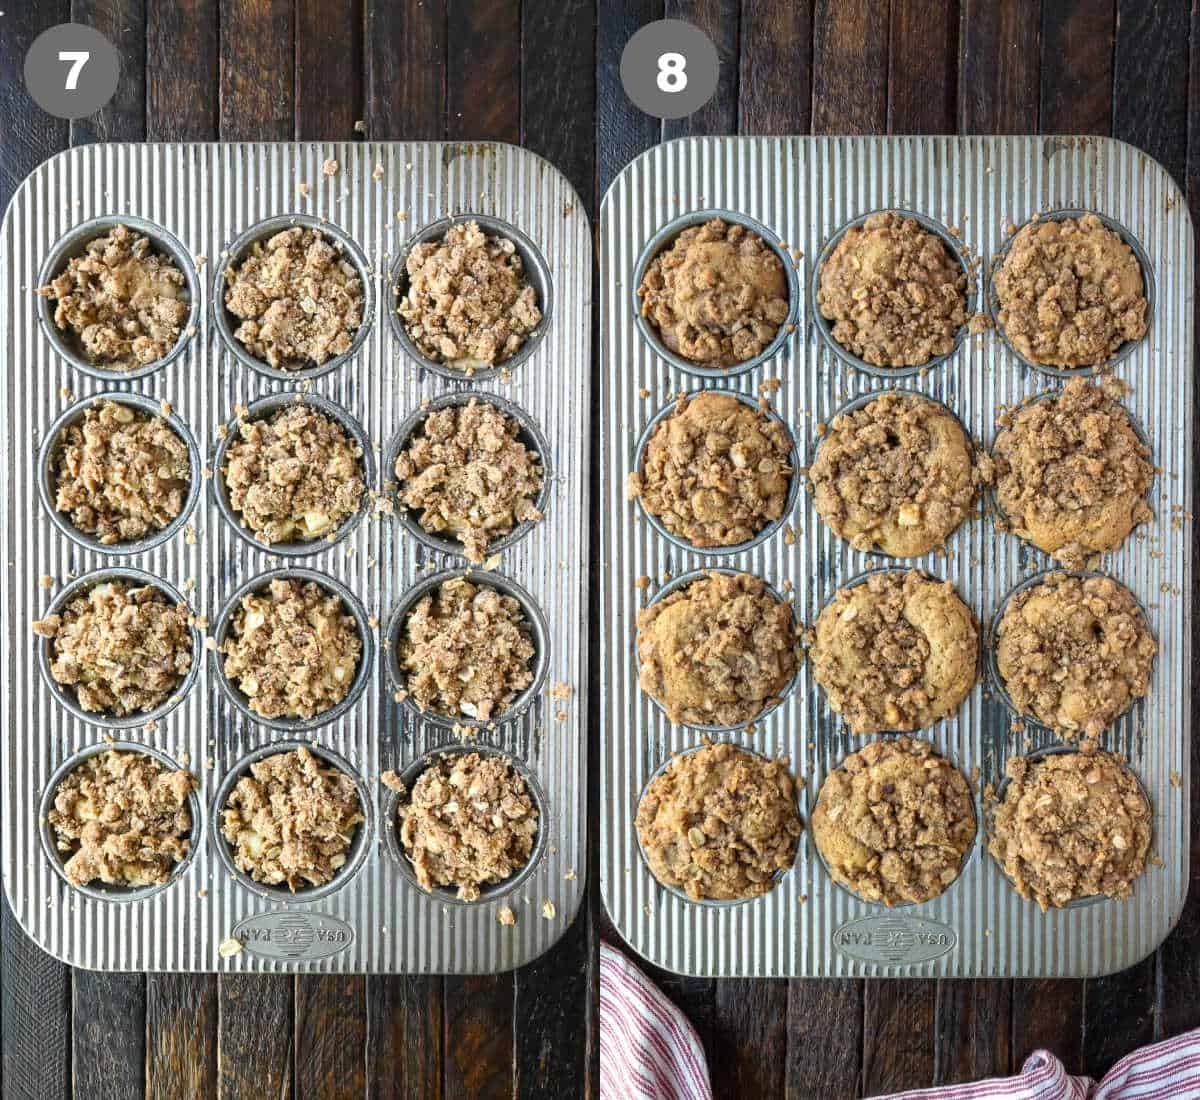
<point x="530" y="72"/>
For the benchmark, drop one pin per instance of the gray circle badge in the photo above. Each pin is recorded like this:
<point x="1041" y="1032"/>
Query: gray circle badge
<point x="669" y="68"/>
<point x="72" y="70"/>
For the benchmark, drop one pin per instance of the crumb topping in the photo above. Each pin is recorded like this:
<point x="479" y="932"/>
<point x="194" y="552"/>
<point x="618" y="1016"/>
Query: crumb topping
<point x="720" y="823"/>
<point x="716" y="471"/>
<point x="895" y="822"/>
<point x="470" y="822"/>
<point x="1072" y="474"/>
<point x="125" y="302"/>
<point x="896" y="652"/>
<point x="124" y="649"/>
<point x="300" y="302"/>
<point x="120" y="474"/>
<point x="895" y="293"/>
<point x="718" y="651"/>
<point x="123" y="819"/>
<point x="294" y="475"/>
<point x="467" y="474"/>
<point x="717" y="295"/>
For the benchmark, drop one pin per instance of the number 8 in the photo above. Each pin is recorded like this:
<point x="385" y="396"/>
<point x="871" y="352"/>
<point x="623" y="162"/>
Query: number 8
<point x="671" y="72"/>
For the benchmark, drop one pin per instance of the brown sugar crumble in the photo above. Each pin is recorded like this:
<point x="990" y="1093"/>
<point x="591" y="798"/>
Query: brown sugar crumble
<point x="719" y="651"/>
<point x="895" y="293"/>
<point x="896" y="652"/>
<point x="1070" y="292"/>
<point x="896" y="475"/>
<point x="291" y="820"/>
<point x="1071" y="472"/>
<point x="1071" y="825"/>
<point x="466" y="650"/>
<point x="470" y="823"/>
<point x="124" y="649"/>
<point x="294" y="475"/>
<point x="123" y="819"/>
<point x="716" y="471"/>
<point x="1074" y="652"/>
<point x="292" y="650"/>
<point x="124" y="302"/>
<point x="895" y="822"/>
<point x="717" y="295"/>
<point x="120" y="474"/>
<point x="300" y="302"/>
<point x="720" y="823"/>
<point x="467" y="473"/>
<point x="468" y="302"/>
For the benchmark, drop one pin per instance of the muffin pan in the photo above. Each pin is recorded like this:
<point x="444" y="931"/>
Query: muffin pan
<point x="215" y="199"/>
<point x="805" y="191"/>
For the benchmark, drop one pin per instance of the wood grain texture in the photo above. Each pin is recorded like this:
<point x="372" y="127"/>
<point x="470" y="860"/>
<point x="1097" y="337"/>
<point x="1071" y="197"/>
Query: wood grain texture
<point x="749" y="1035"/>
<point x="257" y="70"/>
<point x="719" y="20"/>
<point x="483" y="100"/>
<point x="181" y="1035"/>
<point x="1048" y="1014"/>
<point x="1076" y="66"/>
<point x="123" y="23"/>
<point x="405" y="70"/>
<point x="108" y="1033"/>
<point x="999" y="67"/>
<point x="478" y="1045"/>
<point x="404" y="1038"/>
<point x="182" y="76"/>
<point x="825" y="1039"/>
<point x="622" y="131"/>
<point x="1118" y="1016"/>
<point x="898" y="1034"/>
<point x="850" y="66"/>
<point x="775" y="59"/>
<point x="974" y="1030"/>
<point x="922" y="67"/>
<point x="329" y="55"/>
<point x="331" y="1036"/>
<point x="255" y="1036"/>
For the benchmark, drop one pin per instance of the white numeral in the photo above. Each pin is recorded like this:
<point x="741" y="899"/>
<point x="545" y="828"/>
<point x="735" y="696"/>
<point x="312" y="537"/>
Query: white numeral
<point x="78" y="59"/>
<point x="671" y="74"/>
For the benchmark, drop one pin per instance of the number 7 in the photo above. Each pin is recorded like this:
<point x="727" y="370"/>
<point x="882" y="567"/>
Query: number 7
<point x="78" y="59"/>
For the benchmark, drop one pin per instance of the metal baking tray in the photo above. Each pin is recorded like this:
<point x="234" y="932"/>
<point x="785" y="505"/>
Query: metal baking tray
<point x="804" y="190"/>
<point x="382" y="195"/>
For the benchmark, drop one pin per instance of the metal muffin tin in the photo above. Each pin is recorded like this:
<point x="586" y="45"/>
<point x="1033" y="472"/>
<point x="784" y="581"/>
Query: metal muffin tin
<point x="374" y="920"/>
<point x="805" y="190"/>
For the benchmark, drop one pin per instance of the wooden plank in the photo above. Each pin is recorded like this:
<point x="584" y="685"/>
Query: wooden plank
<point x="922" y="94"/>
<point x="898" y="1031"/>
<point x="181" y="1035"/>
<point x="108" y="1030"/>
<point x="329" y="69"/>
<point x="974" y="1031"/>
<point x="1049" y="1015"/>
<point x="824" y="1039"/>
<point x="849" y="85"/>
<point x="719" y="20"/>
<point x="999" y="68"/>
<point x="1076" y="86"/>
<point x="257" y="70"/>
<point x="331" y="1036"/>
<point x="483" y="100"/>
<point x="750" y="1037"/>
<point x="182" y="70"/>
<point x="1118" y="1016"/>
<point x="404" y="1038"/>
<point x="478" y="1045"/>
<point x="406" y="70"/>
<point x="123" y="118"/>
<point x="775" y="79"/>
<point x="255" y="1035"/>
<point x="622" y="131"/>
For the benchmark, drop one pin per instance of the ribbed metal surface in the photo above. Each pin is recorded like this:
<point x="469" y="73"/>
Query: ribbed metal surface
<point x="206" y="195"/>
<point x="805" y="189"/>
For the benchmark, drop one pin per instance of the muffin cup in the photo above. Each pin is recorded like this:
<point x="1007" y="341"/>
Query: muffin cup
<point x="530" y="435"/>
<point x="725" y="571"/>
<point x="861" y="401"/>
<point x="955" y="248"/>
<point x="74" y="243"/>
<point x="538" y="630"/>
<point x="350" y="603"/>
<point x="663" y="239"/>
<point x="993" y="636"/>
<point x="682" y="895"/>
<point x="237" y="250"/>
<point x="360" y="845"/>
<point x="772" y="528"/>
<point x="262" y="409"/>
<point x="1126" y="349"/>
<point x="104" y="892"/>
<point x="447" y="895"/>
<point x="66" y="697"/>
<point x="536" y="272"/>
<point x="1002" y="792"/>
<point x="47" y="483"/>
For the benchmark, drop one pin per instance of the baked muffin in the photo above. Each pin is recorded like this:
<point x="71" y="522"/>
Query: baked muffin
<point x="716" y="471"/>
<point x="896" y="475"/>
<point x="718" y="651"/>
<point x="717" y="295"/>
<point x="1070" y="293"/>
<point x="1071" y="825"/>
<point x="896" y="652"/>
<point x="894" y="293"/>
<point x="895" y="822"/>
<point x="720" y="823"/>
<point x="1071" y="473"/>
<point x="1073" y="652"/>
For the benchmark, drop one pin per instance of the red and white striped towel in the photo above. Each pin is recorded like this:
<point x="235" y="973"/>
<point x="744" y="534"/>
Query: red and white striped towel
<point x="649" y="1051"/>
